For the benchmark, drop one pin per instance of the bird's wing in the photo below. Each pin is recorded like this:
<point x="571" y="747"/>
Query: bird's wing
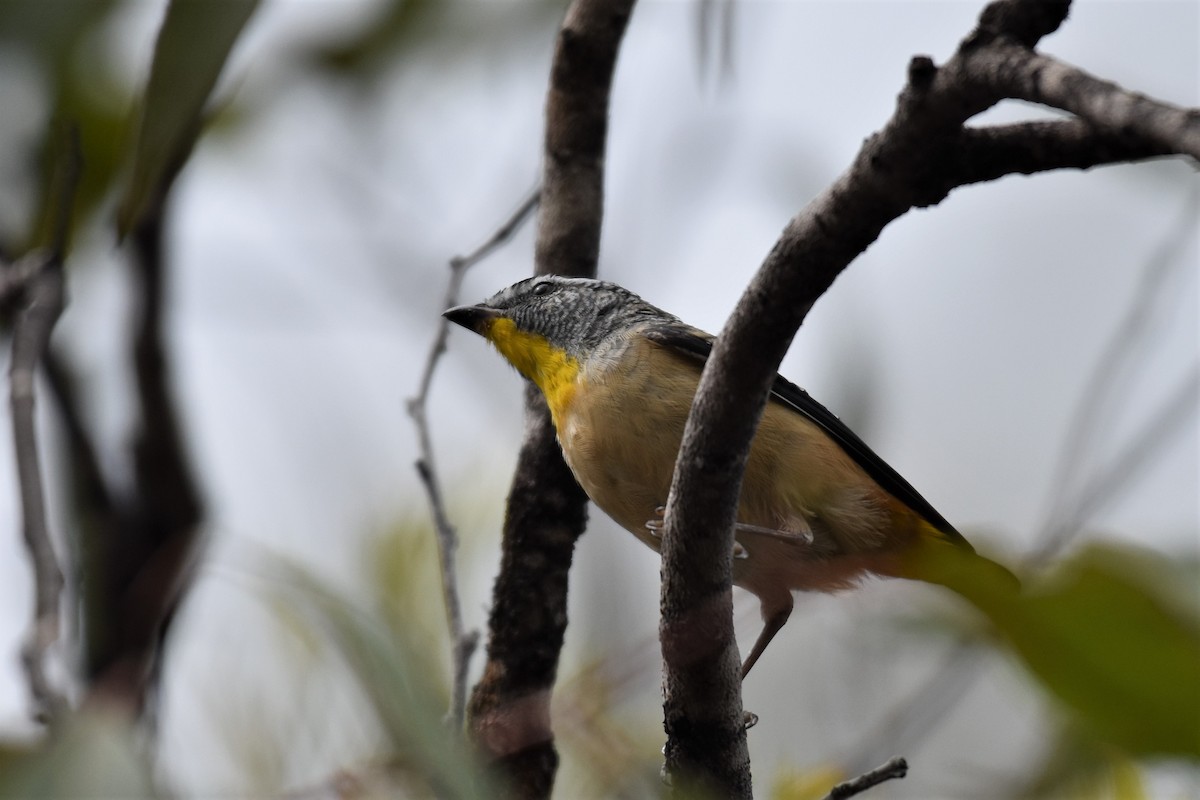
<point x="697" y="344"/>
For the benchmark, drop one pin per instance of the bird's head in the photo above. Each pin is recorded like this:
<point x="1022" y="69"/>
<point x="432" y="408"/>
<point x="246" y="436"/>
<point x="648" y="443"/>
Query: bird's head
<point x="551" y="318"/>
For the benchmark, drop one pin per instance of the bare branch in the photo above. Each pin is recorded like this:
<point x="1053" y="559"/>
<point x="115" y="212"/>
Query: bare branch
<point x="894" y="769"/>
<point x="1026" y="148"/>
<point x="1107" y="106"/>
<point x="509" y="712"/>
<point x="462" y="642"/>
<point x="43" y="304"/>
<point x="42" y="300"/>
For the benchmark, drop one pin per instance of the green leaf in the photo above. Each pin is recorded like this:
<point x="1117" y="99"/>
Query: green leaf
<point x="192" y="48"/>
<point x="1115" y="636"/>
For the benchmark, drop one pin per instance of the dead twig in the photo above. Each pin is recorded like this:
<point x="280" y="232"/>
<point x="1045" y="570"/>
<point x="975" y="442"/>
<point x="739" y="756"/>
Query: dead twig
<point x="463" y="642"/>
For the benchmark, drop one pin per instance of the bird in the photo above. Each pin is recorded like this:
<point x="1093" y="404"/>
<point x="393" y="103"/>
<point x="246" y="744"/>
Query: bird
<point x="818" y="509"/>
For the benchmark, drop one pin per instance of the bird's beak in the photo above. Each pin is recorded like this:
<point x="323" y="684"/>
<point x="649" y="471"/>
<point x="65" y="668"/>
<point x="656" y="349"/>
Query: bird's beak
<point x="476" y="318"/>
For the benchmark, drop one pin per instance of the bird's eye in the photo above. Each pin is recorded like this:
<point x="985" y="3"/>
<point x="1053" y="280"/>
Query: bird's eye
<point x="543" y="289"/>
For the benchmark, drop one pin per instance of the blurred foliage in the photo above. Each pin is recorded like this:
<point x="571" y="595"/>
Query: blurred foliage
<point x="54" y="35"/>
<point x="92" y="754"/>
<point x="189" y="55"/>
<point x="50" y="29"/>
<point x="1076" y="766"/>
<point x="397" y="680"/>
<point x="395" y="23"/>
<point x="605" y="754"/>
<point x="404" y="579"/>
<point x="61" y="37"/>
<point x="1113" y="633"/>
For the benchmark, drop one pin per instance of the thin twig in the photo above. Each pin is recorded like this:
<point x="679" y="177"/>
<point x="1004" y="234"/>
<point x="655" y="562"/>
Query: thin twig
<point x="463" y="643"/>
<point x="894" y="769"/>
<point x="43" y="297"/>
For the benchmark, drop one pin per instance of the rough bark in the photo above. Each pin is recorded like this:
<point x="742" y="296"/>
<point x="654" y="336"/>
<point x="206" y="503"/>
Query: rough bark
<point x="509" y="712"/>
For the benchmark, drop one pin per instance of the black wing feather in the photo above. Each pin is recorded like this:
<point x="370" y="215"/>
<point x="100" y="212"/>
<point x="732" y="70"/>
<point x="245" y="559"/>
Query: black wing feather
<point x="698" y="345"/>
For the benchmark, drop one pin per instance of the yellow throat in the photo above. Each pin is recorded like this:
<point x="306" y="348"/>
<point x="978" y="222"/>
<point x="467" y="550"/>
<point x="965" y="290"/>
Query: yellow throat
<point x="550" y="367"/>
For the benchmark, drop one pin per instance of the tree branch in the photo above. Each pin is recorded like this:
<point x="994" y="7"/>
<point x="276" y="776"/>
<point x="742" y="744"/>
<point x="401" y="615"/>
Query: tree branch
<point x="509" y="712"/>
<point x="43" y="303"/>
<point x="1042" y="79"/>
<point x="462" y="642"/>
<point x="139" y="564"/>
<point x="893" y="769"/>
<point x="901" y="167"/>
<point x="1026" y="148"/>
<point x="38" y="283"/>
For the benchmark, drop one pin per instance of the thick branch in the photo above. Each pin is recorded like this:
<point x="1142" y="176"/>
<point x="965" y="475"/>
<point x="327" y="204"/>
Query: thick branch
<point x="568" y="238"/>
<point x="510" y="708"/>
<point x="903" y="166"/>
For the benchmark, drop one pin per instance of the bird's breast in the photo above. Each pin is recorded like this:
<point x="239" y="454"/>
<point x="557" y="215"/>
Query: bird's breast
<point x="620" y="434"/>
<point x="621" y="431"/>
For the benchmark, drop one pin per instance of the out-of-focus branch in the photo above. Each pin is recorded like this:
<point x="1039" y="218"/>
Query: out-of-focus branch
<point x="149" y="569"/>
<point x="42" y="304"/>
<point x="139" y="561"/>
<point x="892" y="770"/>
<point x="136" y="565"/>
<point x="91" y="493"/>
<point x="37" y="284"/>
<point x="509" y="712"/>
<point x="462" y="642"/>
<point x="902" y="166"/>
